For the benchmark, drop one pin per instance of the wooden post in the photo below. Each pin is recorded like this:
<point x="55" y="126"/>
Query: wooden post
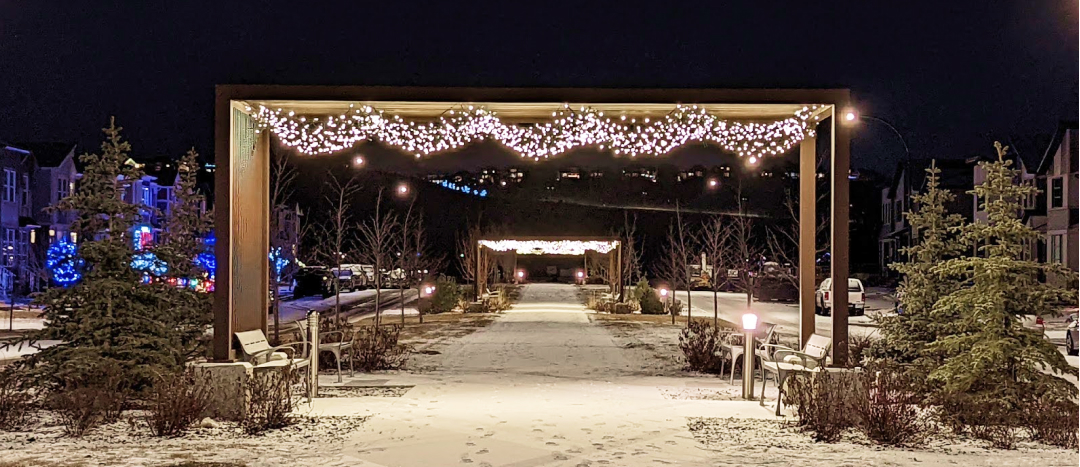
<point x="807" y="242"/>
<point x="841" y="157"/>
<point x="242" y="215"/>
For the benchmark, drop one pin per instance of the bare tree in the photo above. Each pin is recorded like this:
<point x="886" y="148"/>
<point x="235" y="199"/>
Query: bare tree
<point x="783" y="239"/>
<point x="684" y="247"/>
<point x="418" y="261"/>
<point x="338" y="230"/>
<point x="744" y="251"/>
<point x="714" y="240"/>
<point x="631" y="254"/>
<point x="378" y="237"/>
<point x="282" y="175"/>
<point x="671" y="266"/>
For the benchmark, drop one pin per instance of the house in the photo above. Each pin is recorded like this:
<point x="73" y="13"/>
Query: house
<point x="36" y="176"/>
<point x="1058" y="170"/>
<point x="908" y="179"/>
<point x="1025" y="155"/>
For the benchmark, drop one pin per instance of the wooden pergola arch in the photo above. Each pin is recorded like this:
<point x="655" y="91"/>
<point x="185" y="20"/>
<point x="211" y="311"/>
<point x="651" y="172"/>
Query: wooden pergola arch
<point x="547" y="244"/>
<point x="242" y="177"/>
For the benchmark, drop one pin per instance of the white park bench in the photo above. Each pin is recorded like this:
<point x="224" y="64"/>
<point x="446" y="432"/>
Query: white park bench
<point x="257" y="351"/>
<point x="782" y="361"/>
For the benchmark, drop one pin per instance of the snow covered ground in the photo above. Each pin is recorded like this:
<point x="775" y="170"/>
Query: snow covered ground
<point x="542" y="385"/>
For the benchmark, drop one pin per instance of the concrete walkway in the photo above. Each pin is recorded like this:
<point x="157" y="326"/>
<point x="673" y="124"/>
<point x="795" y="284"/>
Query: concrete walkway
<point x="541" y="386"/>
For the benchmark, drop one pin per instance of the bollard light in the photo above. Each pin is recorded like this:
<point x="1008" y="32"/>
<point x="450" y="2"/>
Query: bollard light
<point x="663" y="292"/>
<point x="520" y="274"/>
<point x="749" y="322"/>
<point x="580" y="274"/>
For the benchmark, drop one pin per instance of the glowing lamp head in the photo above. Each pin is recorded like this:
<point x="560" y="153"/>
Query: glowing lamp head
<point x="428" y="290"/>
<point x="850" y="116"/>
<point x="713" y="183"/>
<point x="749" y="322"/>
<point x="580" y="274"/>
<point x="663" y="292"/>
<point x="520" y="274"/>
<point x="403" y="189"/>
<point x="358" y="161"/>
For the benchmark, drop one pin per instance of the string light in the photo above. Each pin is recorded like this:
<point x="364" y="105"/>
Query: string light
<point x="63" y="262"/>
<point x="550" y="247"/>
<point x="568" y="129"/>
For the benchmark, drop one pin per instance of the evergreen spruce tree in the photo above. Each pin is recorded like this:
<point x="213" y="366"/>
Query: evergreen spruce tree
<point x="906" y="335"/>
<point x="108" y="319"/>
<point x="992" y="364"/>
<point x="187" y="311"/>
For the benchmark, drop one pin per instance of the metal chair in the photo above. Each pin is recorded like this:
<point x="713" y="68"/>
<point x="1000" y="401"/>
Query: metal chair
<point x="339" y="348"/>
<point x="734" y="347"/>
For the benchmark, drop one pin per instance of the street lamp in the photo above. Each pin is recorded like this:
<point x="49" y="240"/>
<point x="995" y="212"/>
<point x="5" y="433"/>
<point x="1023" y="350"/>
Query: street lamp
<point x="713" y="183"/>
<point x="403" y="189"/>
<point x="749" y="323"/>
<point x="358" y="161"/>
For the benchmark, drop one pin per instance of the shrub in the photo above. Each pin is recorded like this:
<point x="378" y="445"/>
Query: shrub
<point x="647" y="299"/>
<point x="96" y="394"/>
<point x="699" y="342"/>
<point x="826" y="402"/>
<point x="270" y="400"/>
<point x="177" y="401"/>
<point x="886" y="412"/>
<point x="991" y="421"/>
<point x="15" y="401"/>
<point x="858" y="349"/>
<point x="445" y="297"/>
<point x="377" y="348"/>
<point x="622" y="308"/>
<point x="1053" y="422"/>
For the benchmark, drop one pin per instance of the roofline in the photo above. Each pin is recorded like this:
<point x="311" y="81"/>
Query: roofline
<point x="1055" y="142"/>
<point x="838" y="96"/>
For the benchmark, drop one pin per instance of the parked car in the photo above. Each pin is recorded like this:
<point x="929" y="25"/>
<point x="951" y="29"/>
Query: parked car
<point x="1072" y="336"/>
<point x="313" y="280"/>
<point x="350" y="278"/>
<point x="856" y="298"/>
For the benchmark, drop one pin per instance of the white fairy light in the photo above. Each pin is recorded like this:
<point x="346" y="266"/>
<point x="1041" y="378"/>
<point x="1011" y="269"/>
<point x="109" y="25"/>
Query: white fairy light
<point x="550" y="247"/>
<point x="569" y="129"/>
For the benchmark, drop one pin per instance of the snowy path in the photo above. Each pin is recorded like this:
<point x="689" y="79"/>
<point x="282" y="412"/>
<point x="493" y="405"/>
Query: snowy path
<point x="542" y="385"/>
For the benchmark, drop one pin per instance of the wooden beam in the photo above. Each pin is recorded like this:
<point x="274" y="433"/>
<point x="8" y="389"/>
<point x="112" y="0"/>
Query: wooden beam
<point x="807" y="241"/>
<point x="841" y="158"/>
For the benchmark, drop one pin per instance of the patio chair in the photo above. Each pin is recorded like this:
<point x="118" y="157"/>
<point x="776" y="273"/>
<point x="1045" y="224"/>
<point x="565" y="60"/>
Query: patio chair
<point x="342" y="347"/>
<point x="734" y="348"/>
<point x="782" y="361"/>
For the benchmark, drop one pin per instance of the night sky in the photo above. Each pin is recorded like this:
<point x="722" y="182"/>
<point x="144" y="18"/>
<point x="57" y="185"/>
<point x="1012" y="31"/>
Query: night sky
<point x="951" y="75"/>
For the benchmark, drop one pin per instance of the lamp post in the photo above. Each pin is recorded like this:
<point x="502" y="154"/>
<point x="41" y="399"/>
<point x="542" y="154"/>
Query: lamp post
<point x="907" y="155"/>
<point x="749" y="323"/>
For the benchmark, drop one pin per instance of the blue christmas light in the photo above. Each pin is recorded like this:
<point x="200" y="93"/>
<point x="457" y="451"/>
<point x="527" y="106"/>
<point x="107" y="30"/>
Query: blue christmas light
<point x="463" y="188"/>
<point x="64" y="264"/>
<point x="149" y="262"/>
<point x="278" y="261"/>
<point x="207" y="262"/>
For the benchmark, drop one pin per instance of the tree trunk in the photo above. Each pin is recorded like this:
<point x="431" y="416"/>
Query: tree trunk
<point x="401" y="295"/>
<point x="277" y="314"/>
<point x="419" y="309"/>
<point x="715" y="310"/>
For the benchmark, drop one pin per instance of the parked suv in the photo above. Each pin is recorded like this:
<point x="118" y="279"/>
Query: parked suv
<point x="856" y="298"/>
<point x="313" y="280"/>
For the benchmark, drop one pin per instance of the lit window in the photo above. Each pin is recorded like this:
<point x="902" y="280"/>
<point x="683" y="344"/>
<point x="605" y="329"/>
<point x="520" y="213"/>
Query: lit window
<point x="1057" y="249"/>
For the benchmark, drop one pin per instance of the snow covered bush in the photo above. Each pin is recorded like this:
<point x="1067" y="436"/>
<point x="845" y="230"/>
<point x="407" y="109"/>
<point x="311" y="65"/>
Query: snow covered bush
<point x="445" y="297"/>
<point x="887" y="410"/>
<point x="177" y="401"/>
<point x="699" y="342"/>
<point x="15" y="401"/>
<point x="826" y="402"/>
<point x="647" y="298"/>
<point x="377" y="348"/>
<point x="270" y="400"/>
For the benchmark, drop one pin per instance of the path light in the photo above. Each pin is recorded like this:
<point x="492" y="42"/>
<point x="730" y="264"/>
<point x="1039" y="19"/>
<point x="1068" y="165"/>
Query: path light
<point x="403" y="189"/>
<point x="580" y="274"/>
<point x="713" y="183"/>
<point x="429" y="289"/>
<point x="749" y="324"/>
<point x="663" y="292"/>
<point x="521" y="274"/>
<point x="358" y="161"/>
